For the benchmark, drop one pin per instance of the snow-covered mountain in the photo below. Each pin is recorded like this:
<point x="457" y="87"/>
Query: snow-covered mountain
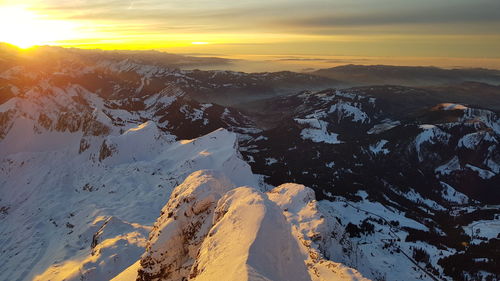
<point x="69" y="214"/>
<point x="435" y="163"/>
<point x="212" y="230"/>
<point x="121" y="165"/>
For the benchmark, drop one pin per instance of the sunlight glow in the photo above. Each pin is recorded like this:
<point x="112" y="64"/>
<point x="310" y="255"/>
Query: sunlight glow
<point x="167" y="26"/>
<point x="23" y="28"/>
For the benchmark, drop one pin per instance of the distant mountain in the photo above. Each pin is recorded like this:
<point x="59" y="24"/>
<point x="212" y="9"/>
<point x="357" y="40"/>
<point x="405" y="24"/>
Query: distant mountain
<point x="480" y="94"/>
<point x="103" y="70"/>
<point x="364" y="75"/>
<point x="54" y="56"/>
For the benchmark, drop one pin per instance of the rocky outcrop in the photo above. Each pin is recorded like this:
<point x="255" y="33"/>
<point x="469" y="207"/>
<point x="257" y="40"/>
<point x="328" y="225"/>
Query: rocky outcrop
<point x="210" y="230"/>
<point x="184" y="223"/>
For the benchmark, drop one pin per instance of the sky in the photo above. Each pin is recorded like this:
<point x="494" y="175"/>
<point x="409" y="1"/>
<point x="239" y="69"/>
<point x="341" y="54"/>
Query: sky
<point x="288" y="29"/>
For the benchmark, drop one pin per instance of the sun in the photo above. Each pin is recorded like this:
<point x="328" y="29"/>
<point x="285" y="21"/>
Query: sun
<point x="24" y="28"/>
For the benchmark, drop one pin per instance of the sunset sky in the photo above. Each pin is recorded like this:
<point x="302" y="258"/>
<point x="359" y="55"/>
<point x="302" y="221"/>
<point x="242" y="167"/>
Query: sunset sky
<point x="377" y="28"/>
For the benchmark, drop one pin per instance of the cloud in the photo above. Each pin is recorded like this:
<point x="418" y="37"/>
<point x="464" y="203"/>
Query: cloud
<point x="427" y="15"/>
<point x="322" y="60"/>
<point x="322" y="17"/>
<point x="301" y="59"/>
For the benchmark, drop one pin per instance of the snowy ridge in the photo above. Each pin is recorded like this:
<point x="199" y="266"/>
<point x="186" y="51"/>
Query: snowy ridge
<point x="210" y="230"/>
<point x="51" y="109"/>
<point x="250" y="240"/>
<point x="454" y="166"/>
<point x="430" y="135"/>
<point x="473" y="140"/>
<point x="382" y="127"/>
<point x="449" y="167"/>
<point x="347" y="110"/>
<point x="487" y="117"/>
<point x="128" y="65"/>
<point x="124" y="191"/>
<point x="450" y="194"/>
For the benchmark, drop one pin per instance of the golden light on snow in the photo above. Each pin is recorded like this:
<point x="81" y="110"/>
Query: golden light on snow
<point x="138" y="128"/>
<point x="25" y="29"/>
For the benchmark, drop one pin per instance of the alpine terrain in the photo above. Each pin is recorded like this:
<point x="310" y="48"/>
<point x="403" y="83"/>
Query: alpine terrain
<point x="134" y="165"/>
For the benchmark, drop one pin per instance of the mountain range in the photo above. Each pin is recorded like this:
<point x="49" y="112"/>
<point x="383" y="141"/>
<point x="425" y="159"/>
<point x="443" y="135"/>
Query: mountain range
<point x="127" y="165"/>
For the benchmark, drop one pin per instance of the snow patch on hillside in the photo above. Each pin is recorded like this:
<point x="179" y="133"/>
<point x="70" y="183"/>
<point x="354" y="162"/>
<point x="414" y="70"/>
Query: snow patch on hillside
<point x="471" y="141"/>
<point x="484" y="174"/>
<point x="483" y="228"/>
<point x="415" y="197"/>
<point x="430" y="134"/>
<point x="452" y="195"/>
<point x="382" y="127"/>
<point x="349" y="110"/>
<point x="317" y="132"/>
<point x="449" y="167"/>
<point x="379" y="147"/>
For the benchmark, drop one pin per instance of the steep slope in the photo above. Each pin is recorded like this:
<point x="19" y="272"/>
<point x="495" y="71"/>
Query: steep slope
<point x="58" y="201"/>
<point x="185" y="221"/>
<point x="210" y="230"/>
<point x="250" y="240"/>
